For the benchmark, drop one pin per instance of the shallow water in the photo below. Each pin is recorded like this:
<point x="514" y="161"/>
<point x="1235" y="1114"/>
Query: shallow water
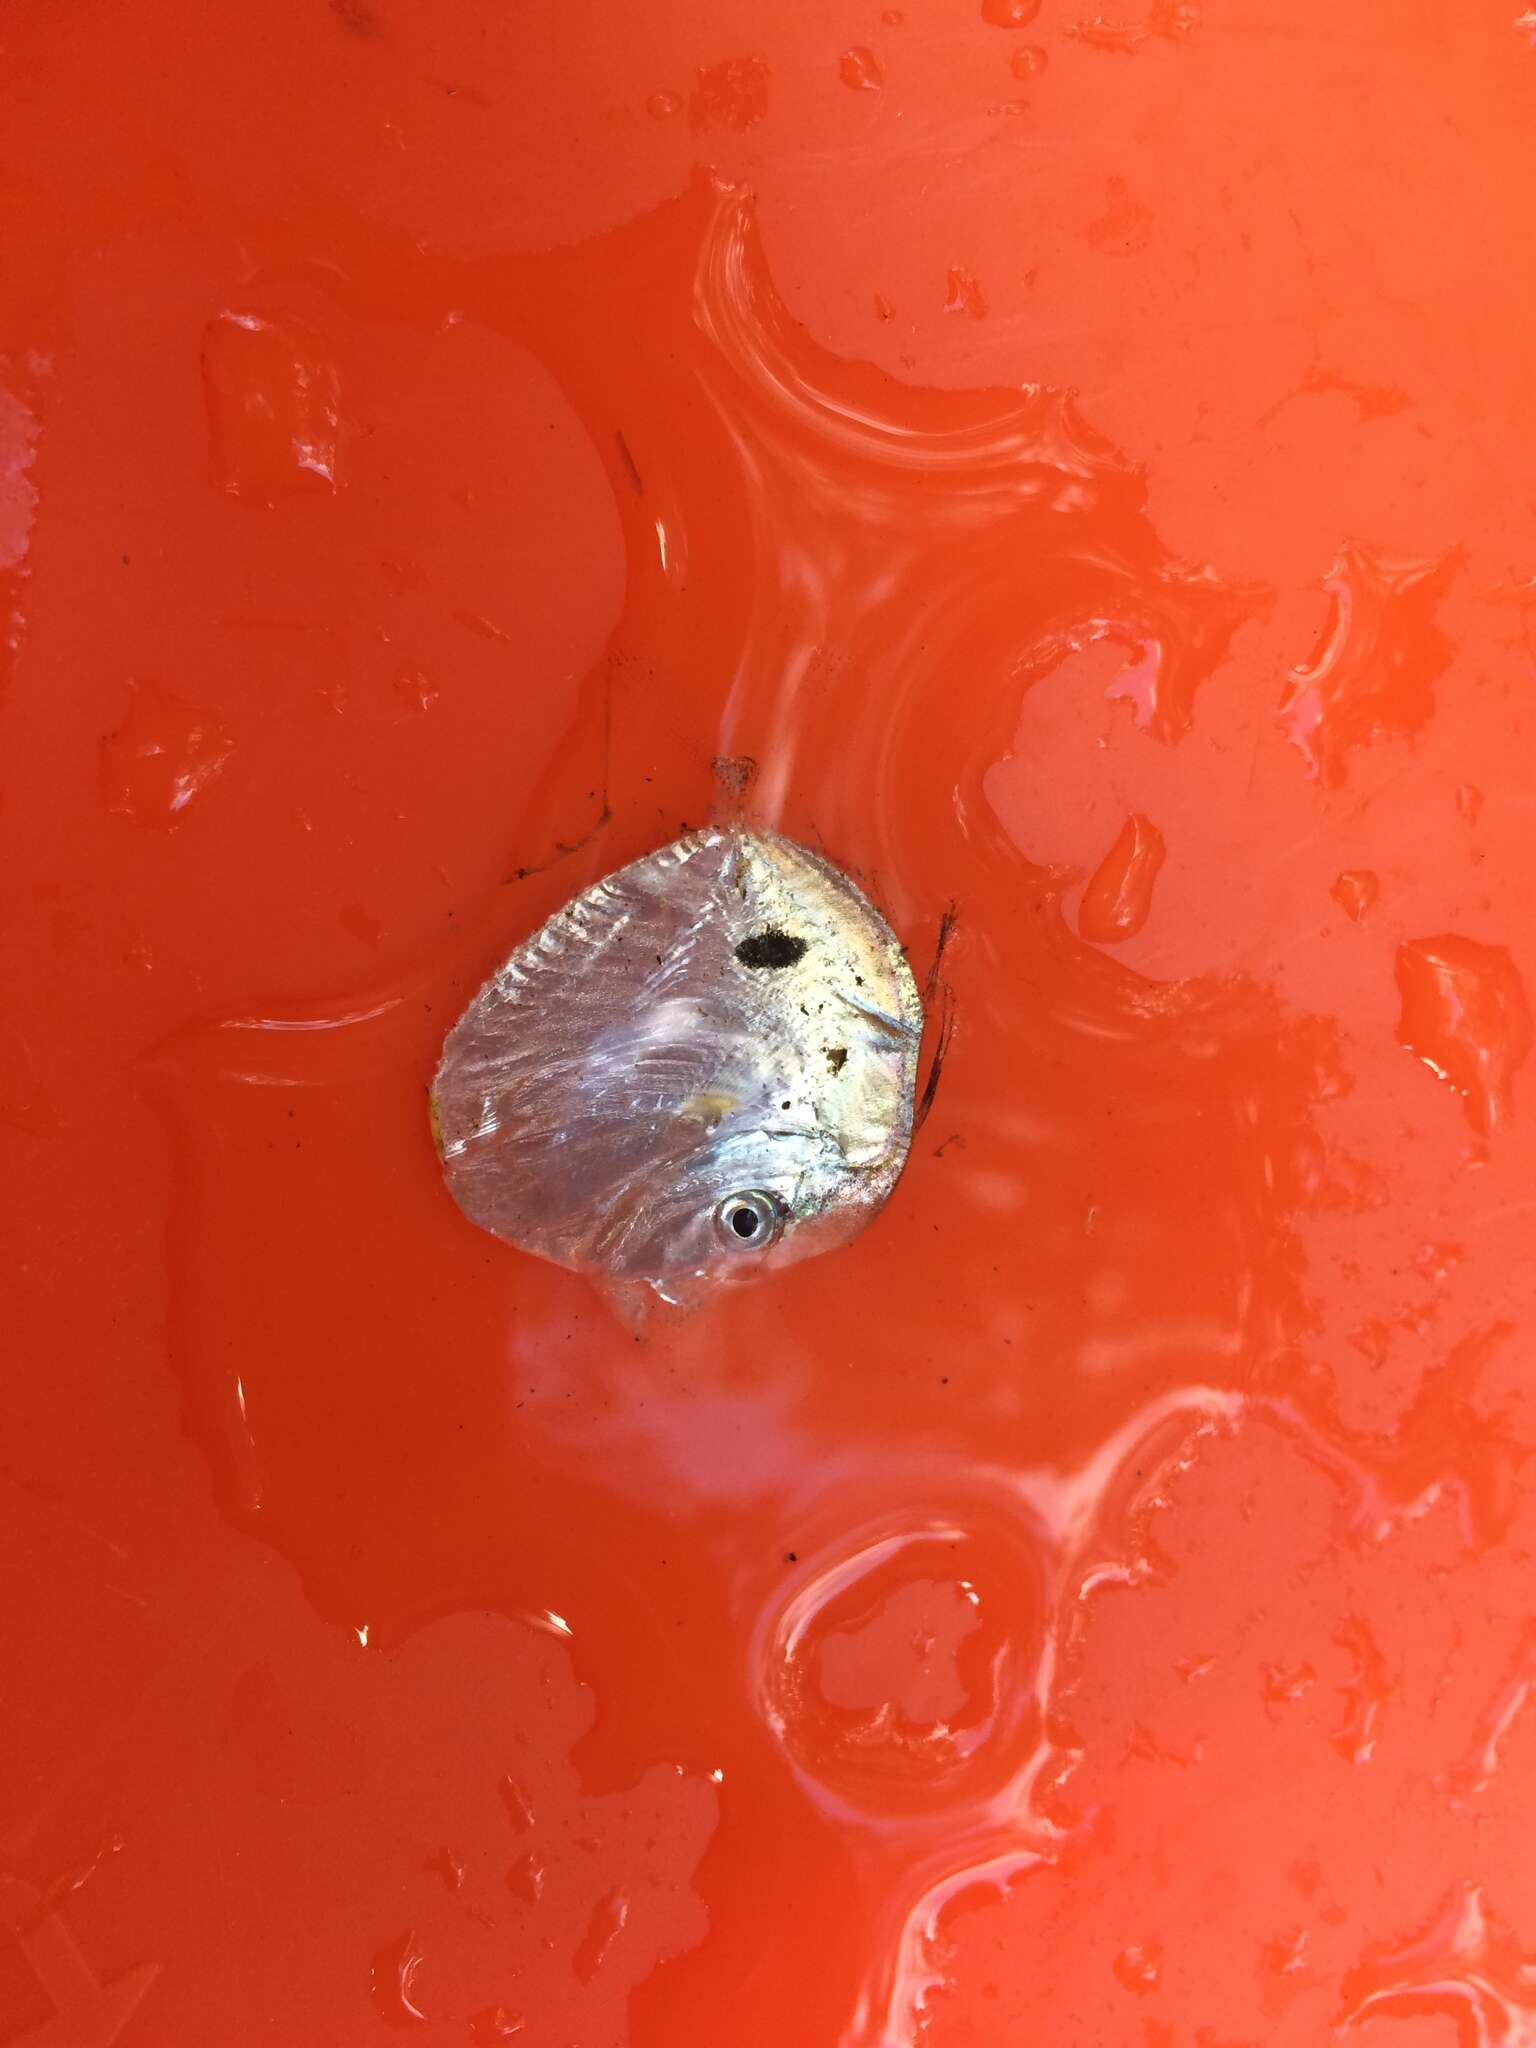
<point x="1081" y="460"/>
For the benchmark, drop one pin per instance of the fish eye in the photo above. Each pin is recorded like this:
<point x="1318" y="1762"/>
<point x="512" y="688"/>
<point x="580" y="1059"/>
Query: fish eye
<point x="749" y="1221"/>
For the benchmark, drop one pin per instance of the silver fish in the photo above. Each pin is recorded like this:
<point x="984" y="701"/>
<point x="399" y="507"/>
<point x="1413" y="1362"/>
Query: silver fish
<point x="703" y="1066"/>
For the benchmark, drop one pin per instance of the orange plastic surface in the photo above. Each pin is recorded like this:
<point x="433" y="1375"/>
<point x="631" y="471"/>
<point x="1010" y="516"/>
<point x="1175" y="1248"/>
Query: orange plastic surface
<point x="1087" y="462"/>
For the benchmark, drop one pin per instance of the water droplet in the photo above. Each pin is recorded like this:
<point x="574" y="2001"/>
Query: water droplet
<point x="1465" y="1015"/>
<point x="1124" y="228"/>
<point x="1140" y="1966"/>
<point x="1009" y="13"/>
<point x="1285" y="1954"/>
<point x="448" y="1867"/>
<point x="1486" y="1753"/>
<point x="496" y="2024"/>
<point x="1355" y="891"/>
<point x="1100" y="34"/>
<point x="884" y="310"/>
<point x="899" y="1673"/>
<point x="1286" y="1682"/>
<point x="860" y="71"/>
<point x="1176" y="630"/>
<point x="1174" y="20"/>
<point x="893" y="17"/>
<point x="1363" y="1694"/>
<point x="966" y="296"/>
<point x="519" y="1806"/>
<point x="395" y="1970"/>
<point x="603" y="1930"/>
<point x="415" y="687"/>
<point x="1374" y="669"/>
<point x="166" y="752"/>
<point x="730" y="95"/>
<point x="664" y="106"/>
<point x="1469" y="802"/>
<point x="272" y="399"/>
<point x="1466" y="1965"/>
<point x="1438" y="1261"/>
<point x="18" y="494"/>
<point x="1027" y="62"/>
<point x="1118" y="899"/>
<point x="525" y="1880"/>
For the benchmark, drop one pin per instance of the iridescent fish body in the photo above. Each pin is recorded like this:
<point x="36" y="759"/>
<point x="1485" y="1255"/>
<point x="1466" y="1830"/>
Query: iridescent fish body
<point x="701" y="1067"/>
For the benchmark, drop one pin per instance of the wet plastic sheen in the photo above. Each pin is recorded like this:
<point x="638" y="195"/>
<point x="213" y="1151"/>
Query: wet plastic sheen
<point x="1082" y="460"/>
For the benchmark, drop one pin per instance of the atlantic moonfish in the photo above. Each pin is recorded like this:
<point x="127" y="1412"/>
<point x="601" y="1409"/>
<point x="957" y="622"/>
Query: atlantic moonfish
<point x="700" y="1069"/>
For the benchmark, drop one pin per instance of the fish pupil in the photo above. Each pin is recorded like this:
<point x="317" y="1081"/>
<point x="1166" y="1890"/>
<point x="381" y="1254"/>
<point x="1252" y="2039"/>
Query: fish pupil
<point x="771" y="948"/>
<point x="748" y="1220"/>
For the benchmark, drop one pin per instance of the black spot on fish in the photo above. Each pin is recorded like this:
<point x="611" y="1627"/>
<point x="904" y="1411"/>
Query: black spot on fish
<point x="837" y="1058"/>
<point x="771" y="948"/>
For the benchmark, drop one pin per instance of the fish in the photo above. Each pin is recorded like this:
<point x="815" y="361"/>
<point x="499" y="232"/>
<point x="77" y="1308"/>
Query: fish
<point x="699" y="1070"/>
